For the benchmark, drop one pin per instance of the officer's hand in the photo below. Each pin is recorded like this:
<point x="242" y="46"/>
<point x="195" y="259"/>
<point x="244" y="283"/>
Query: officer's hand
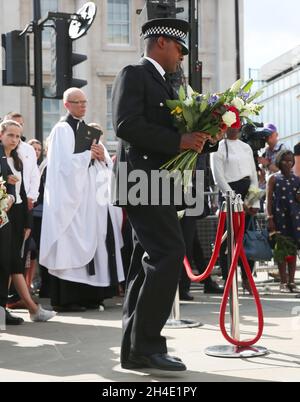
<point x="194" y="141"/>
<point x="218" y="137"/>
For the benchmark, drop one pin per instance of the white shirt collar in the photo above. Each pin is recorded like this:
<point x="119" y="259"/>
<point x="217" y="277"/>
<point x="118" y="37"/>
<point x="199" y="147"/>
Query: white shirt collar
<point x="157" y="66"/>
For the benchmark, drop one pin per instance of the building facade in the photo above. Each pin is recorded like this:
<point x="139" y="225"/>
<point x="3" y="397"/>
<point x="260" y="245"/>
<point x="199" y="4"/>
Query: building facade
<point x="280" y="80"/>
<point x="112" y="43"/>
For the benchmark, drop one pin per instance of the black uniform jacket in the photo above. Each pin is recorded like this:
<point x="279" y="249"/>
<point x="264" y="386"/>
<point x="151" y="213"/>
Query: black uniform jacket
<point x="143" y="122"/>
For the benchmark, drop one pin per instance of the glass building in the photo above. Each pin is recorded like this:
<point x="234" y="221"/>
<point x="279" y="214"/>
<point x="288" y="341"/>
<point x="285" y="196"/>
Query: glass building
<point x="280" y="80"/>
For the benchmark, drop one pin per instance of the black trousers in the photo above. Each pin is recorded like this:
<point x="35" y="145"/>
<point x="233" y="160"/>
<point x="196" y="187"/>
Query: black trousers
<point x="5" y="239"/>
<point x="152" y="279"/>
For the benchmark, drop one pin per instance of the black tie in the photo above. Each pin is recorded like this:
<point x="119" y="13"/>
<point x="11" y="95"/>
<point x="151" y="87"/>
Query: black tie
<point x="80" y="123"/>
<point x="169" y="84"/>
<point x="167" y="78"/>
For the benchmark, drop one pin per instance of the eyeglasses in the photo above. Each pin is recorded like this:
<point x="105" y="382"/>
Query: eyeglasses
<point x="83" y="102"/>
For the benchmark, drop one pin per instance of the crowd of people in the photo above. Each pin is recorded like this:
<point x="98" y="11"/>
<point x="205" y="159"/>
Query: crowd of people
<point x="85" y="246"/>
<point x="55" y="219"/>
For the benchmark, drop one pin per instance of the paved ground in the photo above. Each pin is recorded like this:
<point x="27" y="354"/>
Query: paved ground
<point x="85" y="347"/>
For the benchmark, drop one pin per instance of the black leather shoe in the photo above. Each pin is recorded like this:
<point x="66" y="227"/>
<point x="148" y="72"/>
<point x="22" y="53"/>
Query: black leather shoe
<point x="90" y="306"/>
<point x="134" y="364"/>
<point x="12" y="320"/>
<point x="186" y="296"/>
<point x="160" y="361"/>
<point x="69" y="308"/>
<point x="213" y="288"/>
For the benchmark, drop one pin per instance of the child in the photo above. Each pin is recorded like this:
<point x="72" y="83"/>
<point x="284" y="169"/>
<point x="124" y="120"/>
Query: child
<point x="283" y="210"/>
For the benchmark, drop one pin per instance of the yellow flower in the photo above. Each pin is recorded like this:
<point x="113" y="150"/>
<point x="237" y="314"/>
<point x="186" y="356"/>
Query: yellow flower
<point x="177" y="110"/>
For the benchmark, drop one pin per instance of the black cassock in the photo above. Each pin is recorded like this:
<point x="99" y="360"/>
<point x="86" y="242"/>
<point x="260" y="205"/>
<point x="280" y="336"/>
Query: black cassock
<point x="64" y="293"/>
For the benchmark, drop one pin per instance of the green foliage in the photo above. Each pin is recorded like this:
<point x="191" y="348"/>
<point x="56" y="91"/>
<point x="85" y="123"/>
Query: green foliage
<point x="173" y="104"/>
<point x="247" y="86"/>
<point x="284" y="247"/>
<point x="181" y="94"/>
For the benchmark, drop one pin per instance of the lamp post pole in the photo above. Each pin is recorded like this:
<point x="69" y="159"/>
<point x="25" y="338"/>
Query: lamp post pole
<point x="38" y="70"/>
<point x="237" y="38"/>
<point x="195" y="66"/>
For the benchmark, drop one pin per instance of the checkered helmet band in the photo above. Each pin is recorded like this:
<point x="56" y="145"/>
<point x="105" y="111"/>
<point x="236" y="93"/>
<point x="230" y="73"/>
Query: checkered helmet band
<point x="173" y="32"/>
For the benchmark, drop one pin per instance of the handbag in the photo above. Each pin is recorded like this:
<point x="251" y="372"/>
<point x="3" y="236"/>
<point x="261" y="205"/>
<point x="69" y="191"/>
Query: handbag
<point x="256" y="243"/>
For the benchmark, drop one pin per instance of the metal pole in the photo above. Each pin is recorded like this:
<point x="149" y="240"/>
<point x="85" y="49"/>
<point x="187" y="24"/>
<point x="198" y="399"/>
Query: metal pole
<point x="237" y="38"/>
<point x="195" y="66"/>
<point x="38" y="70"/>
<point x="230" y="351"/>
<point x="234" y="298"/>
<point x="175" y="322"/>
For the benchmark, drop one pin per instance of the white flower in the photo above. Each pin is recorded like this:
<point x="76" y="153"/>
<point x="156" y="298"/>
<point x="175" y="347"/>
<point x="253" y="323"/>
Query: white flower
<point x="236" y="86"/>
<point x="245" y="113"/>
<point x="229" y="118"/>
<point x="3" y="204"/>
<point x="238" y="103"/>
<point x="189" y="91"/>
<point x="188" y="102"/>
<point x="254" y="195"/>
<point x="250" y="108"/>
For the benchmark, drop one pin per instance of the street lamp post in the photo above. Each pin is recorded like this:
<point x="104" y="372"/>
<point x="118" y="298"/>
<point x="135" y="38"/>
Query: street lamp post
<point x="237" y="39"/>
<point x="195" y="66"/>
<point x="38" y="70"/>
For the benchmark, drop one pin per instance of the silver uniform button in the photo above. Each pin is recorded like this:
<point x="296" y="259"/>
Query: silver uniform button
<point x="161" y="104"/>
<point x="145" y="157"/>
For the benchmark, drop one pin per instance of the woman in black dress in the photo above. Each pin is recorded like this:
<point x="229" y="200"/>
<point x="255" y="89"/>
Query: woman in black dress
<point x="19" y="217"/>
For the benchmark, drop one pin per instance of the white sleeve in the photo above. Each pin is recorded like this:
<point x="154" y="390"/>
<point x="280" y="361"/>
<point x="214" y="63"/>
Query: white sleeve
<point x="31" y="173"/>
<point x="253" y="176"/>
<point x="34" y="177"/>
<point x="217" y="167"/>
<point x="63" y="161"/>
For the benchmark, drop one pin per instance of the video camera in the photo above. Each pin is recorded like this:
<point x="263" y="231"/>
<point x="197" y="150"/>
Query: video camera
<point x="255" y="136"/>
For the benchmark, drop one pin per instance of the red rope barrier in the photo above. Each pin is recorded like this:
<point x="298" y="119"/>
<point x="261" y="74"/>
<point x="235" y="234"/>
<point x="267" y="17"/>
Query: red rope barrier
<point x="239" y="229"/>
<point x="214" y="257"/>
<point x="239" y="252"/>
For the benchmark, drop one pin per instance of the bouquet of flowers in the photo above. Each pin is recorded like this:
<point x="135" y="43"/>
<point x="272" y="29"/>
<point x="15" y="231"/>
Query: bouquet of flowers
<point x="3" y="203"/>
<point x="285" y="248"/>
<point x="254" y="194"/>
<point x="209" y="113"/>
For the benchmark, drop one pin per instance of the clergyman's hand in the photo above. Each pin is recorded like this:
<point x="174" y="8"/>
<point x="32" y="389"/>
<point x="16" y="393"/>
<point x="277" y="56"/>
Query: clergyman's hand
<point x="97" y="152"/>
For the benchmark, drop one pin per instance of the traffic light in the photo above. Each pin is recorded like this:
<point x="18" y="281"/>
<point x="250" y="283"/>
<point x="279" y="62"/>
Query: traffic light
<point x="161" y="9"/>
<point x="62" y="62"/>
<point x="16" y="59"/>
<point x="157" y="9"/>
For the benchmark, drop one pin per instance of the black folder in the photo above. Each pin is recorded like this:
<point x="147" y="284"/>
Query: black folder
<point x="85" y="137"/>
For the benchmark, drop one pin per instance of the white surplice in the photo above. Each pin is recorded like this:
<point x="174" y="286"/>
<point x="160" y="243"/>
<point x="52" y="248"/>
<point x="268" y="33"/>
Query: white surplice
<point x="74" y="223"/>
